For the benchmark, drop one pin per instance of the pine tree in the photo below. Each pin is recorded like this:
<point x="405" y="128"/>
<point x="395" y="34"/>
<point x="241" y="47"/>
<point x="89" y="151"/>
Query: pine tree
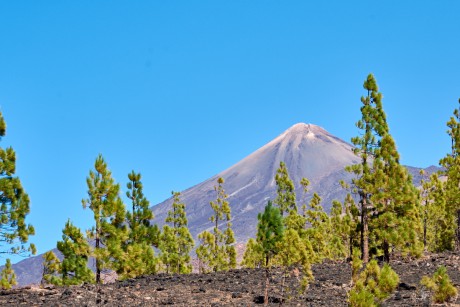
<point x="294" y="251"/>
<point x="139" y="219"/>
<point x="269" y="234"/>
<point x="51" y="269"/>
<point x="253" y="255"/>
<point x="137" y="235"/>
<point x="345" y="225"/>
<point x="451" y="164"/>
<point x="14" y="205"/>
<point x="304" y="183"/>
<point x="76" y="251"/>
<point x="373" y="124"/>
<point x="109" y="215"/>
<point x="320" y="232"/>
<point x="216" y="251"/>
<point x="286" y="198"/>
<point x="387" y="197"/>
<point x="7" y="276"/>
<point x="438" y="223"/>
<point x="395" y="222"/>
<point x="176" y="241"/>
<point x="441" y="285"/>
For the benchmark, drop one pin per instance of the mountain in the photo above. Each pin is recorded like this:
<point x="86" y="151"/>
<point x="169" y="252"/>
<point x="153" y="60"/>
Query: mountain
<point x="308" y="151"/>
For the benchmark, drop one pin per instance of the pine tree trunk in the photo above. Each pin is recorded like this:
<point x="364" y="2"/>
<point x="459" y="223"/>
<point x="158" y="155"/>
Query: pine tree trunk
<point x="458" y="229"/>
<point x="364" y="231"/>
<point x="267" y="284"/>
<point x="98" y="264"/>
<point x="386" y="251"/>
<point x="351" y="246"/>
<point x="424" y="232"/>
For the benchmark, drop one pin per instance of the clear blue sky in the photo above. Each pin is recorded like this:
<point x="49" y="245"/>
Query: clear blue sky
<point x="181" y="90"/>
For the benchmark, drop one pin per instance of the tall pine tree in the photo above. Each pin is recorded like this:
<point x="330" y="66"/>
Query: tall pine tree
<point x="373" y="126"/>
<point x="387" y="198"/>
<point x="109" y="213"/>
<point x="14" y="205"/>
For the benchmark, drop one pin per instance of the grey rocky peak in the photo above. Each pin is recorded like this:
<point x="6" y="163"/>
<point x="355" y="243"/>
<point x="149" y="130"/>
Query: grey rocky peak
<point x="308" y="151"/>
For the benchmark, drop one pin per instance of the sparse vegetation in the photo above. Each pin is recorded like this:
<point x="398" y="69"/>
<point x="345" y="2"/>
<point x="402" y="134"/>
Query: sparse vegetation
<point x="7" y="276"/>
<point x="441" y="285"/>
<point x="373" y="285"/>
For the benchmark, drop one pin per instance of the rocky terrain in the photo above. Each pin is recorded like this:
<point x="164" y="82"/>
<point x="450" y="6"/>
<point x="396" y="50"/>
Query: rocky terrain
<point x="243" y="287"/>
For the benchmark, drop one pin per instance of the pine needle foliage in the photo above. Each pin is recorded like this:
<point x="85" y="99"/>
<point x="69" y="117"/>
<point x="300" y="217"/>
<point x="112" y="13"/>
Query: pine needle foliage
<point x="7" y="276"/>
<point x="14" y="205"/>
<point x="216" y="251"/>
<point x="441" y="285"/>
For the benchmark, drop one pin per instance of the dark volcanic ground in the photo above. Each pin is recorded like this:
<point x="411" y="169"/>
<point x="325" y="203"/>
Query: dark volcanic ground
<point x="242" y="287"/>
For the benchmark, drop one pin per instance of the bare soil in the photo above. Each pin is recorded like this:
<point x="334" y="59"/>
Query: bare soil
<point x="242" y="287"/>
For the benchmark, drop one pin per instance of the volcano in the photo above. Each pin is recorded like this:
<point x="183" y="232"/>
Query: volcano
<point x="307" y="150"/>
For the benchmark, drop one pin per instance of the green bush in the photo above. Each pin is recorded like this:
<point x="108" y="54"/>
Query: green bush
<point x="440" y="285"/>
<point x="373" y="285"/>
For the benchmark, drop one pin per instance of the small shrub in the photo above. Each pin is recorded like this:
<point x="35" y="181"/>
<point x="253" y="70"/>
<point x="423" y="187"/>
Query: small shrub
<point x="440" y="285"/>
<point x="373" y="285"/>
<point x="362" y="298"/>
